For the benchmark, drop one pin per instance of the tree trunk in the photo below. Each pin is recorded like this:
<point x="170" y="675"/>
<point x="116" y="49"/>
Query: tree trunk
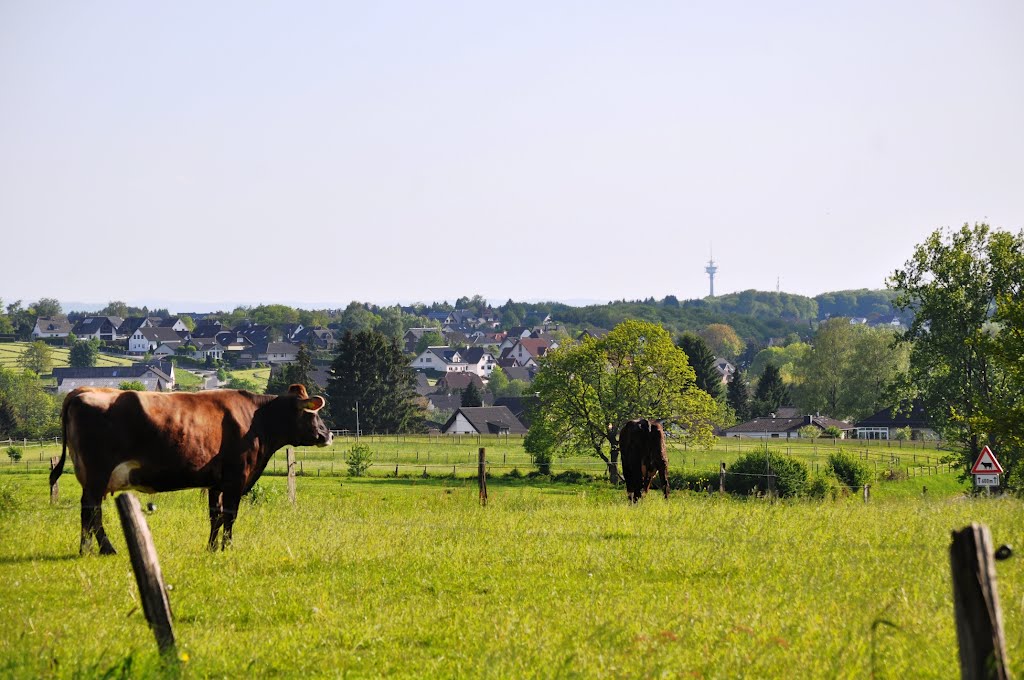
<point x="613" y="461"/>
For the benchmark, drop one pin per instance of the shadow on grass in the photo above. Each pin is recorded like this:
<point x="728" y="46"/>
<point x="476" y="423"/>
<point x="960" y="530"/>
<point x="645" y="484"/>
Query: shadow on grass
<point x="39" y="558"/>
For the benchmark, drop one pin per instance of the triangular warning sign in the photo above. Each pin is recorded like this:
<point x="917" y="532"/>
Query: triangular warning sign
<point x="986" y="464"/>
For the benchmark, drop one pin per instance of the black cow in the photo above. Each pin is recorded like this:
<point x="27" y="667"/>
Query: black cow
<point x="642" y="443"/>
<point x="220" y="440"/>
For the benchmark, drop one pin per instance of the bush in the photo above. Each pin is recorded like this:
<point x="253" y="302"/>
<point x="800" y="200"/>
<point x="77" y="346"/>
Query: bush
<point x="14" y="453"/>
<point x="572" y="477"/>
<point x="848" y="469"/>
<point x="833" y="432"/>
<point x="894" y="475"/>
<point x="698" y="480"/>
<point x="809" y="432"/>
<point x="903" y="433"/>
<point x="8" y="499"/>
<point x="747" y="474"/>
<point x="514" y="473"/>
<point x="825" y="485"/>
<point x="542" y="460"/>
<point x="359" y="459"/>
<point x="261" y="495"/>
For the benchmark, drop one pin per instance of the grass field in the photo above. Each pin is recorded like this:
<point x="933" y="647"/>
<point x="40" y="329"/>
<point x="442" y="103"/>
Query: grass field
<point x="412" y="578"/>
<point x="10" y="354"/>
<point x="260" y="376"/>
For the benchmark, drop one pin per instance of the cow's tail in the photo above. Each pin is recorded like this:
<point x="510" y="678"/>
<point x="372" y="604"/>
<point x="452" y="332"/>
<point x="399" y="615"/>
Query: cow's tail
<point x="58" y="469"/>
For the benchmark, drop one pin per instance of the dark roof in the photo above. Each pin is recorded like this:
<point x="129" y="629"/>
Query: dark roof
<point x="167" y="323"/>
<point x="160" y="334"/>
<point x="519" y="406"/>
<point x="423" y="386"/>
<point x="123" y="372"/>
<point x="445" y="402"/>
<point x="91" y="324"/>
<point x="771" y="425"/>
<point x="488" y="420"/>
<point x="889" y="417"/>
<point x="459" y="381"/>
<point x="524" y="373"/>
<point x="473" y="355"/>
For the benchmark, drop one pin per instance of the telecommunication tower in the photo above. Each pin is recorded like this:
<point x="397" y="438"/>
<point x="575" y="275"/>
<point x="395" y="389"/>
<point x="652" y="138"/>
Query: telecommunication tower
<point x="711" y="269"/>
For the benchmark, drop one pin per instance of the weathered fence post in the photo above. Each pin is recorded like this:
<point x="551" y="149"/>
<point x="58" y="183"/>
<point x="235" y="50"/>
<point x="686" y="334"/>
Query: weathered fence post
<point x="867" y="492"/>
<point x="54" y="488"/>
<point x="482" y="475"/>
<point x="289" y="458"/>
<point x="142" y="552"/>
<point x="979" y="620"/>
<point x="721" y="477"/>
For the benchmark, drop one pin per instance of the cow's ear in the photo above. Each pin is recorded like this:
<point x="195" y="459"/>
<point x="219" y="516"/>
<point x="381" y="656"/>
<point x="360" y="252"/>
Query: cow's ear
<point x="299" y="391"/>
<point x="313" y="404"/>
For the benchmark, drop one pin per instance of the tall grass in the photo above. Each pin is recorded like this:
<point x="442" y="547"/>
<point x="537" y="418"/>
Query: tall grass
<point x="412" y="578"/>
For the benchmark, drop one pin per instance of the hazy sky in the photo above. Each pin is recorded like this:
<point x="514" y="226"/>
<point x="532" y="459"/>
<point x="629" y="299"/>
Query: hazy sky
<point x="325" y="152"/>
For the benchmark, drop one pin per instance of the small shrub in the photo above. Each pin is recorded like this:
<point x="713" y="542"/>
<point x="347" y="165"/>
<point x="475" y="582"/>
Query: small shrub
<point x="359" y="459"/>
<point x="514" y="473"/>
<point x="833" y="432"/>
<point x="903" y="433"/>
<point x="543" y="462"/>
<point x="894" y="475"/>
<point x="809" y="432"/>
<point x="748" y="473"/>
<point x="8" y="499"/>
<point x="698" y="480"/>
<point x="572" y="477"/>
<point x="826" y="486"/>
<point x="848" y="469"/>
<point x="261" y="495"/>
<point x="14" y="453"/>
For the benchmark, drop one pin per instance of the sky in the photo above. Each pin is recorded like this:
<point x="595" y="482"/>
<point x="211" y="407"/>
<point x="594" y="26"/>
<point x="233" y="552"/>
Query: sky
<point x="318" y="153"/>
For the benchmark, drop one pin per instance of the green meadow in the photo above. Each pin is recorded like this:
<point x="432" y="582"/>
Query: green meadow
<point x="409" y="576"/>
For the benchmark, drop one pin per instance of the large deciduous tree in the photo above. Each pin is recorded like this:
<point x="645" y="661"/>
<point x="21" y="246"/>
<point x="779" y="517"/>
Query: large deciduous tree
<point x="37" y="357"/>
<point x="723" y="340"/>
<point x="370" y="375"/>
<point x="964" y="287"/>
<point x="26" y="410"/>
<point x="589" y="390"/>
<point x="84" y="353"/>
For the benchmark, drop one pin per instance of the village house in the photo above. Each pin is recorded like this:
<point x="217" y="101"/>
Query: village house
<point x="483" y="420"/>
<point x="883" y="424"/>
<point x="157" y="377"/>
<point x="149" y="338"/>
<point x="783" y="428"/>
<point x="104" y="328"/>
<point x="48" y="327"/>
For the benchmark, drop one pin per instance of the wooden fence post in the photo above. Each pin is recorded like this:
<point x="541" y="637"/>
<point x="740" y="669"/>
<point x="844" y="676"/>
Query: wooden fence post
<point x="867" y="492"/>
<point x="142" y="552"/>
<point x="289" y="457"/>
<point x="979" y="620"/>
<point x="721" y="477"/>
<point x="482" y="475"/>
<point x="54" y="488"/>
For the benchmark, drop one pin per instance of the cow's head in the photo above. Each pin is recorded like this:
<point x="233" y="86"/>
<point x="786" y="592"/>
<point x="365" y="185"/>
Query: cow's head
<point x="309" y="428"/>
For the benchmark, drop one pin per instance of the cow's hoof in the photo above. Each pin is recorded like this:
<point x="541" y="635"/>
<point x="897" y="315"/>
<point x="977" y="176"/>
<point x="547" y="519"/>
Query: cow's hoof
<point x="107" y="550"/>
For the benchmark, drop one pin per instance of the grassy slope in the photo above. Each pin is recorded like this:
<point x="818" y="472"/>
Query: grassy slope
<point x="11" y="352"/>
<point x="260" y="376"/>
<point x="414" y="579"/>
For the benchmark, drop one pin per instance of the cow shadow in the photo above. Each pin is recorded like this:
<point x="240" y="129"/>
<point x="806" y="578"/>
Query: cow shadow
<point x="23" y="559"/>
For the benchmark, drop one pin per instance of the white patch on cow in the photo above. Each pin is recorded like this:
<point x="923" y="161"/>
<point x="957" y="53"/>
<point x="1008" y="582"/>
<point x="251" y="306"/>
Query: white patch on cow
<point x="120" y="478"/>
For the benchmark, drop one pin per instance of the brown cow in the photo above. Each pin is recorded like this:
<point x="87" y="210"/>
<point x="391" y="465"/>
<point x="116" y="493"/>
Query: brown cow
<point x="642" y="443"/>
<point x="220" y="440"/>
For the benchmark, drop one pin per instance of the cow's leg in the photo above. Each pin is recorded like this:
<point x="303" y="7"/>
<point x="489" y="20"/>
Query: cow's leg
<point x="92" y="523"/>
<point x="663" y="474"/>
<point x="231" y="500"/>
<point x="648" y="478"/>
<point x="216" y="516"/>
<point x="89" y="508"/>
